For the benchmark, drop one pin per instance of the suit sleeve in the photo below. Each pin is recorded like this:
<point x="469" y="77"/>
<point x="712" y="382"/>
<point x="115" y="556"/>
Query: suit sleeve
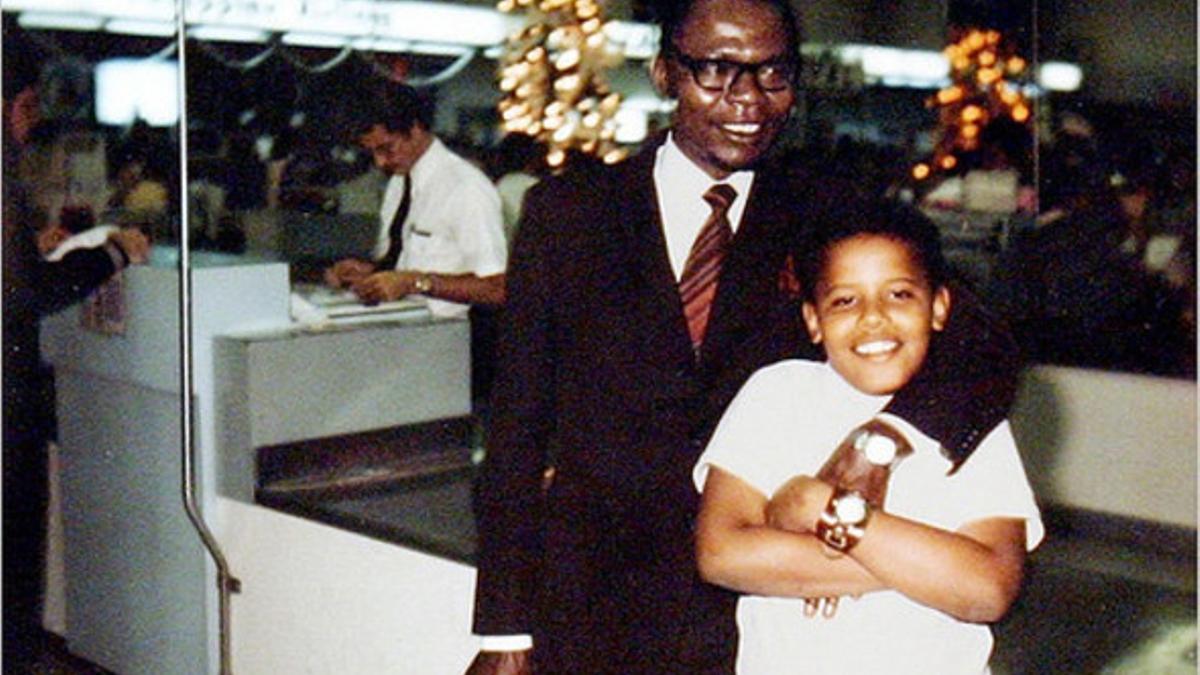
<point x="508" y="498"/>
<point x="968" y="382"/>
<point x="36" y="287"/>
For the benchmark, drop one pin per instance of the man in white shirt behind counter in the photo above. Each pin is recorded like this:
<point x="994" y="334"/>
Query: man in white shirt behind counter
<point x="441" y="232"/>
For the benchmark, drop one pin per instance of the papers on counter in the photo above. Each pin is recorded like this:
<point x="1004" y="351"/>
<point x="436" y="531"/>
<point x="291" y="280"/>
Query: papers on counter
<point x="314" y="303"/>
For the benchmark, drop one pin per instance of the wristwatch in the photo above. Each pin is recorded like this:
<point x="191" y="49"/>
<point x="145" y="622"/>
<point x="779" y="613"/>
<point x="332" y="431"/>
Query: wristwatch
<point x="842" y="523"/>
<point x="879" y="449"/>
<point x="881" y="445"/>
<point x="423" y="283"/>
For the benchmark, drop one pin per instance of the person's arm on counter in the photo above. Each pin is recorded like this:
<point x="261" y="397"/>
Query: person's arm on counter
<point x="467" y="289"/>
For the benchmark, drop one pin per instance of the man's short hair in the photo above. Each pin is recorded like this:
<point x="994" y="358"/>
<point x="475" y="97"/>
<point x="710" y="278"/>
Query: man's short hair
<point x="23" y="60"/>
<point x="394" y="106"/>
<point x="670" y="17"/>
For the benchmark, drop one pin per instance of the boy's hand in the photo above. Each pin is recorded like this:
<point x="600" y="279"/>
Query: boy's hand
<point x="798" y="503"/>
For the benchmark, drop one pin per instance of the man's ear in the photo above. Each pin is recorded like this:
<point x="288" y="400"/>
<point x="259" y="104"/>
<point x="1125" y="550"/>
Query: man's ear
<point x="941" y="308"/>
<point x="660" y="75"/>
<point x="810" y="320"/>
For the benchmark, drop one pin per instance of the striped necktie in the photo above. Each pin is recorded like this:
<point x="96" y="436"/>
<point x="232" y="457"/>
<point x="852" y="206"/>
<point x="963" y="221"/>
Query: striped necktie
<point x="698" y="284"/>
<point x="396" y="229"/>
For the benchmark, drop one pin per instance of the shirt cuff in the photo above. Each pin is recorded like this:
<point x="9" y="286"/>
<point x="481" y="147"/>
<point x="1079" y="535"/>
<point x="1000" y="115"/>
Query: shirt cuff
<point x="505" y="643"/>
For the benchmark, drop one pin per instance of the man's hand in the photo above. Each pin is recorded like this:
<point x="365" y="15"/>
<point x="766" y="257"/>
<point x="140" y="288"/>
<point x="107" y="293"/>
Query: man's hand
<point x="133" y="242"/>
<point x="385" y="287"/>
<point x="850" y="467"/>
<point x="345" y="273"/>
<point x="798" y="503"/>
<point x="502" y="663"/>
<point x="50" y="237"/>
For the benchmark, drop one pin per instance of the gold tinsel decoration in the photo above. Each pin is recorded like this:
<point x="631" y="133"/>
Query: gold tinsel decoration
<point x="552" y="74"/>
<point x="985" y="76"/>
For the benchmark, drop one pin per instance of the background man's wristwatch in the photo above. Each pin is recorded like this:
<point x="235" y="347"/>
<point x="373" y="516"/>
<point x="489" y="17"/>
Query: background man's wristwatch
<point x="841" y="525"/>
<point x="423" y="283"/>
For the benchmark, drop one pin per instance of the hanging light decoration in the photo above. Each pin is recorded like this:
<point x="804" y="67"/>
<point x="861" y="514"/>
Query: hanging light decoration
<point x="553" y="77"/>
<point x="986" y="81"/>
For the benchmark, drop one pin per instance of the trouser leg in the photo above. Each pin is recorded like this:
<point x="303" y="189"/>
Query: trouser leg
<point x="25" y="499"/>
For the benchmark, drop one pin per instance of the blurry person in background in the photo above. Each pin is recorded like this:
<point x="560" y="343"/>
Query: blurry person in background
<point x="519" y="163"/>
<point x="1085" y="287"/>
<point x="34" y="288"/>
<point x="440" y="226"/>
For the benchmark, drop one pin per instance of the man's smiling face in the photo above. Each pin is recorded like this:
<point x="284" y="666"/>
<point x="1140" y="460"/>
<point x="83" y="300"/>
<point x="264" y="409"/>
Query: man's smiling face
<point x="727" y="130"/>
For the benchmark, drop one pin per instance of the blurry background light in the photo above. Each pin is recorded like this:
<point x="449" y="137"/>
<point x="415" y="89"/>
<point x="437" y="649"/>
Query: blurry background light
<point x="129" y="89"/>
<point x="305" y="39"/>
<point x="1059" y="76"/>
<point x="898" y="67"/>
<point x="140" y="27"/>
<point x="57" y="21"/>
<point x="217" y="33"/>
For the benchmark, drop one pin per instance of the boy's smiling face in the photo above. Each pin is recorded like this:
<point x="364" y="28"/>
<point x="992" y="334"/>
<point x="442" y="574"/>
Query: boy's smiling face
<point x="874" y="311"/>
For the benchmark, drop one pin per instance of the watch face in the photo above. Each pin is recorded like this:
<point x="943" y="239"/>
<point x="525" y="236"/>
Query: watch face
<point x="878" y="448"/>
<point x="851" y="508"/>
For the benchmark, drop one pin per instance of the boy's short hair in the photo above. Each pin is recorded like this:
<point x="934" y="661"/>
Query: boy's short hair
<point x="395" y="106"/>
<point x="888" y="218"/>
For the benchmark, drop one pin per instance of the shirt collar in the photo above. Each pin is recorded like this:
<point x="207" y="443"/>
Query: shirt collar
<point x="426" y="165"/>
<point x="677" y="174"/>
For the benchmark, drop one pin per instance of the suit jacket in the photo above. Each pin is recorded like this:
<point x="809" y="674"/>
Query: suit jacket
<point x="597" y="379"/>
<point x="33" y="289"/>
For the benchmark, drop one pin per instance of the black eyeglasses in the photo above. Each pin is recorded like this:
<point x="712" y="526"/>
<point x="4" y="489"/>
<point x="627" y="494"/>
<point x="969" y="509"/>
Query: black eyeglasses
<point x="720" y="74"/>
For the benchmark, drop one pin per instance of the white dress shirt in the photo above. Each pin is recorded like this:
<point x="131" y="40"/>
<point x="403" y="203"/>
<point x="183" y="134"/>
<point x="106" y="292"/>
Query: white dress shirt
<point x="681" y="186"/>
<point x="454" y="225"/>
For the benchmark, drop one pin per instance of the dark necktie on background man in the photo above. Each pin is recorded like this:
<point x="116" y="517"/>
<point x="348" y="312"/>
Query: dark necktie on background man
<point x="698" y="284"/>
<point x="396" y="229"/>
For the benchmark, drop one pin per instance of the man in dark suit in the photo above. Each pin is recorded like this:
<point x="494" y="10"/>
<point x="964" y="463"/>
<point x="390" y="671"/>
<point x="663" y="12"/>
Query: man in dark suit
<point x="32" y="289"/>
<point x="611" y="379"/>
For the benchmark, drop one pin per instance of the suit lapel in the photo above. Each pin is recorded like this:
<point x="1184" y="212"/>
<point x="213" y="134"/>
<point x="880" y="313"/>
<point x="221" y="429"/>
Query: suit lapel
<point x="749" y="273"/>
<point x="662" y="313"/>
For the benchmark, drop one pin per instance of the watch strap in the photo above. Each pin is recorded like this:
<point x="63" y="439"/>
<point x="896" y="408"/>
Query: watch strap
<point x="836" y="533"/>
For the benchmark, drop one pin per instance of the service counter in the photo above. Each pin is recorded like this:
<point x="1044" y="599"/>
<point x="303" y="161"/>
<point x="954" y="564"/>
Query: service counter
<point x="275" y="403"/>
<point x="346" y="455"/>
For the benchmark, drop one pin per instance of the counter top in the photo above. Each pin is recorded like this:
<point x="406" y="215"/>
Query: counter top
<point x="429" y="512"/>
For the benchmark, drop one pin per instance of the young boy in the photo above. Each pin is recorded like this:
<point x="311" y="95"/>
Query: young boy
<point x="918" y="574"/>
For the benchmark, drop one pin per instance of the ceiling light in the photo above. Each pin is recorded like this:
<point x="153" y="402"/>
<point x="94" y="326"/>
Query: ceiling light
<point x="217" y="33"/>
<point x="56" y="21"/>
<point x="140" y="27"/>
<point x="1059" y="76"/>
<point x="323" y="40"/>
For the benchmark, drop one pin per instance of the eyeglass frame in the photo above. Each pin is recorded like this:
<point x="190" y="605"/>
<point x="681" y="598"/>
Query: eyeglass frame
<point x="739" y="68"/>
